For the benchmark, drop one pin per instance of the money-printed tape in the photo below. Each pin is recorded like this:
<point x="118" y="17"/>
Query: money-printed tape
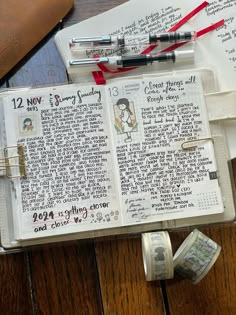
<point x="157" y="256"/>
<point x="195" y="256"/>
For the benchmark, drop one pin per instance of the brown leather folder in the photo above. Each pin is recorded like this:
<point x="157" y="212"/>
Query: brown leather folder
<point x="23" y="24"/>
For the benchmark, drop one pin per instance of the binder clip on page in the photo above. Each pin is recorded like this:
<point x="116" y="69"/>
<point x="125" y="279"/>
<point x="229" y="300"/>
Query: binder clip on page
<point x="13" y="163"/>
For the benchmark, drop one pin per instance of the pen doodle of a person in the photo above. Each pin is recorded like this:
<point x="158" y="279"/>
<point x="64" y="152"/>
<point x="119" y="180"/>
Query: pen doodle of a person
<point x="125" y="117"/>
<point x="28" y="124"/>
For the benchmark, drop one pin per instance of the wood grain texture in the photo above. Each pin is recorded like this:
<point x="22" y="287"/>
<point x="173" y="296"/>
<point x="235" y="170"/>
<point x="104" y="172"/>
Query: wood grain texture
<point x="123" y="286"/>
<point x="15" y="297"/>
<point x="216" y="293"/>
<point x="64" y="280"/>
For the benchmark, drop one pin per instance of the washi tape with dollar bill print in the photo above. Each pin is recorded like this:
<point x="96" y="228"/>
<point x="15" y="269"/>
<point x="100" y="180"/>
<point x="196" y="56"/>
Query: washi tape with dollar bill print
<point x="157" y="256"/>
<point x="196" y="255"/>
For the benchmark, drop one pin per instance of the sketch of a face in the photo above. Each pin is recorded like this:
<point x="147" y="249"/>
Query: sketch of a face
<point x="122" y="107"/>
<point x="28" y="124"/>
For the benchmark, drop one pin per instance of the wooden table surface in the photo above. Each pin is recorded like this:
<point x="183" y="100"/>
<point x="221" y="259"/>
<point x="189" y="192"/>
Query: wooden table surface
<point x="104" y="276"/>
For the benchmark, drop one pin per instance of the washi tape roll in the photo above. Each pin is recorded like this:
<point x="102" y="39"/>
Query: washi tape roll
<point x="196" y="255"/>
<point x="157" y="256"/>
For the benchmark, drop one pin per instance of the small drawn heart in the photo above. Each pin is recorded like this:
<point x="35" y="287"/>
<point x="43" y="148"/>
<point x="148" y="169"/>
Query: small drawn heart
<point x="178" y="185"/>
<point x="76" y="219"/>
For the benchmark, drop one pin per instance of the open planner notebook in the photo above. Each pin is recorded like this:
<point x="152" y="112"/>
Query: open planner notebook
<point x="136" y="154"/>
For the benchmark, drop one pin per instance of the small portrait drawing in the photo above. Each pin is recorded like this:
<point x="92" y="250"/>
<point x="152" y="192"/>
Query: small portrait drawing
<point x="125" y="118"/>
<point x="28" y="124"/>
